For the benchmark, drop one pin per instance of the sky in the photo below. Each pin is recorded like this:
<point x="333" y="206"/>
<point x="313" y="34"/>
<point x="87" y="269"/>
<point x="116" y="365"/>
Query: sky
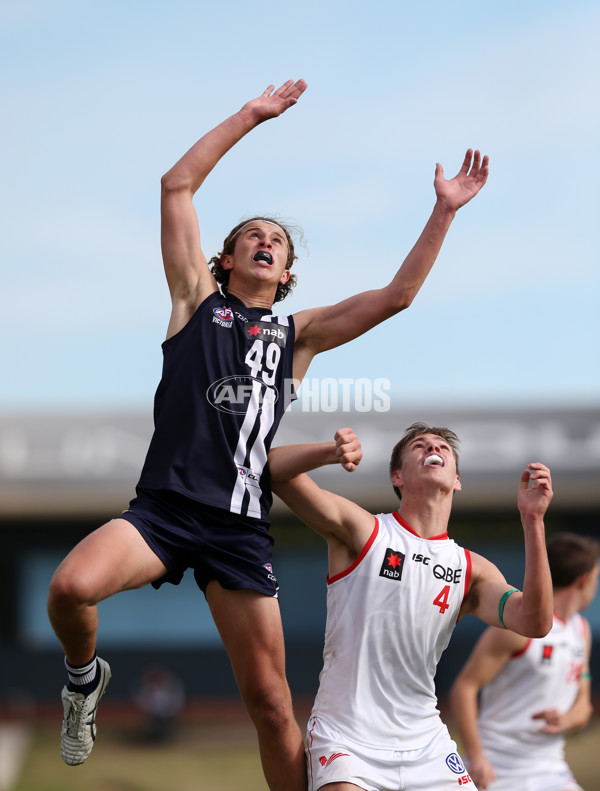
<point x="99" y="99"/>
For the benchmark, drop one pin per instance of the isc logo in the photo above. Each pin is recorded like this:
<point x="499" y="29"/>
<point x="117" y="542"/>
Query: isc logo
<point x="462" y="781"/>
<point x="421" y="559"/>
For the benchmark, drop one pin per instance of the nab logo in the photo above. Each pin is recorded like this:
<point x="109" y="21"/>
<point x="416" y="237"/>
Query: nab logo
<point x="392" y="565"/>
<point x="275" y="333"/>
<point x="547" y="653"/>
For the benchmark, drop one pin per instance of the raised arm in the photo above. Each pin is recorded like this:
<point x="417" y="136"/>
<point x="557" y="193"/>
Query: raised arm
<point x="491" y="652"/>
<point x="529" y="612"/>
<point x="188" y="276"/>
<point x="345" y="526"/>
<point x="320" y="329"/>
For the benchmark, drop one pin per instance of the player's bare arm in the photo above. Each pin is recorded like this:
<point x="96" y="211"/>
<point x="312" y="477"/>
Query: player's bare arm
<point x="528" y="612"/>
<point x="492" y="651"/>
<point x="320" y="329"/>
<point x="188" y="276"/>
<point x="288" y="461"/>
<point x="345" y="525"/>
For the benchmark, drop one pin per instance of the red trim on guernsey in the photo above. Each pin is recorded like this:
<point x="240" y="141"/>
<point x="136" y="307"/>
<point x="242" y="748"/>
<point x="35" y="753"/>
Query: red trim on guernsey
<point x="522" y="651"/>
<point x="363" y="552"/>
<point x="558" y="618"/>
<point x="401" y="521"/>
<point x="467" y="580"/>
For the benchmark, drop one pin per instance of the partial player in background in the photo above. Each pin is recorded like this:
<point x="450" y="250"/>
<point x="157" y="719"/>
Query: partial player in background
<point x="516" y="698"/>
<point x="204" y="494"/>
<point x="397" y="584"/>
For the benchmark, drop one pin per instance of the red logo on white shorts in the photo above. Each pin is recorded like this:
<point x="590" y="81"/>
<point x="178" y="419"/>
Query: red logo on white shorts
<point x="325" y="761"/>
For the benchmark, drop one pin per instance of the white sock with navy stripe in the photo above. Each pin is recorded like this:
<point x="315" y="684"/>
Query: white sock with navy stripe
<point x="83" y="678"/>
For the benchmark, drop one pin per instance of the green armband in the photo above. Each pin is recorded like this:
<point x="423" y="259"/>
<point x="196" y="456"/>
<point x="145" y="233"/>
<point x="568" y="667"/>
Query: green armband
<point x="502" y="604"/>
<point x="585" y="675"/>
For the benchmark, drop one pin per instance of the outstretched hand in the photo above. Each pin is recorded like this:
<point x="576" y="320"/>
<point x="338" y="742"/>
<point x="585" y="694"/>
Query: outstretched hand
<point x="347" y="449"/>
<point x="535" y="490"/>
<point x="272" y="103"/>
<point x="473" y="174"/>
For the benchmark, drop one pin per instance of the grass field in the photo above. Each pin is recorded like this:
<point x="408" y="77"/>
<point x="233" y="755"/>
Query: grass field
<point x="205" y="756"/>
<point x="201" y="760"/>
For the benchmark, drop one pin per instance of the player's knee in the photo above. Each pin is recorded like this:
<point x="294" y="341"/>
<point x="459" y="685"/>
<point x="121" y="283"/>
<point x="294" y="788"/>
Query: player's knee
<point x="270" y="708"/>
<point x="67" y="591"/>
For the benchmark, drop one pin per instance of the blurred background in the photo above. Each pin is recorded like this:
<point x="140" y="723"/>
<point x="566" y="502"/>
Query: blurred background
<point x="100" y="99"/>
<point x="70" y="474"/>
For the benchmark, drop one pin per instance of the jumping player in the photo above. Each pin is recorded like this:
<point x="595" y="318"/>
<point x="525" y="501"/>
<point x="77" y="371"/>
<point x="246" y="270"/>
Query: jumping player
<point x="516" y="698"/>
<point x="204" y="492"/>
<point x="396" y="586"/>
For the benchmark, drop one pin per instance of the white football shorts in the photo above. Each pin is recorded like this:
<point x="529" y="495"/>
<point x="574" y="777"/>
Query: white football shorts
<point x="333" y="759"/>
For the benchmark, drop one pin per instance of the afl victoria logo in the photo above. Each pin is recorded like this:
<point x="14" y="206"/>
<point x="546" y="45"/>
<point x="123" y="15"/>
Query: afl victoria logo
<point x="224" y="313"/>
<point x="241" y="395"/>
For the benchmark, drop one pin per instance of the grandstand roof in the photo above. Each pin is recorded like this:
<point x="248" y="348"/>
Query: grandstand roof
<point x="54" y="465"/>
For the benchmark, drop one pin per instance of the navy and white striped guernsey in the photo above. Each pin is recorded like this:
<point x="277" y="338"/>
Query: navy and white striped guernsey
<point x="227" y="379"/>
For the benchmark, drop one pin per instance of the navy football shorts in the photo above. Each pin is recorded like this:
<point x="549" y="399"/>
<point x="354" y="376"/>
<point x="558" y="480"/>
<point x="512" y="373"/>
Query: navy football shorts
<point x="219" y="545"/>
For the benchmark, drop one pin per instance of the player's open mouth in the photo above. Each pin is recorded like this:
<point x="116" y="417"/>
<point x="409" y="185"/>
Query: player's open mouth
<point x="262" y="255"/>
<point x="434" y="459"/>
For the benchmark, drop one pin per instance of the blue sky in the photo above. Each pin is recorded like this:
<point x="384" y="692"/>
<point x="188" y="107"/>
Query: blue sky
<point x="100" y="98"/>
